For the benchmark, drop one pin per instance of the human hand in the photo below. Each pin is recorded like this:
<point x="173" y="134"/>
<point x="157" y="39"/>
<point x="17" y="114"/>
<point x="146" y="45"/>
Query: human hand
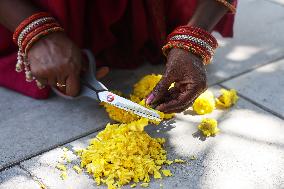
<point x="56" y="59"/>
<point x="188" y="73"/>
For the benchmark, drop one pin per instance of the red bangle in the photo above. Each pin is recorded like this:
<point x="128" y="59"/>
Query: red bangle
<point x="26" y="22"/>
<point x="36" y="31"/>
<point x="41" y="35"/>
<point x="202" y="37"/>
<point x="195" y="49"/>
<point x="198" y="32"/>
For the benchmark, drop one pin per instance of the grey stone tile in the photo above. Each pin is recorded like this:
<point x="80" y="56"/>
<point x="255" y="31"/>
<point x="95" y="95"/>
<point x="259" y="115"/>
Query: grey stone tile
<point x="29" y="126"/>
<point x="258" y="29"/>
<point x="16" y="178"/>
<point x="248" y="153"/>
<point x="264" y="85"/>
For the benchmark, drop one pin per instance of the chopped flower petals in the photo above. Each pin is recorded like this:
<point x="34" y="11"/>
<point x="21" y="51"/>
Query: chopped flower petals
<point x="144" y="185"/>
<point x="208" y="127"/>
<point x="64" y="175"/>
<point x="61" y="167"/>
<point x="205" y="103"/>
<point x="179" y="161"/>
<point x="133" y="185"/>
<point x="77" y="169"/>
<point x="167" y="173"/>
<point x="227" y="98"/>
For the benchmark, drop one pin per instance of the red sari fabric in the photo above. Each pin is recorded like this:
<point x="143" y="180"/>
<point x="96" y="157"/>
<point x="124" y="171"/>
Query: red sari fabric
<point x="122" y="33"/>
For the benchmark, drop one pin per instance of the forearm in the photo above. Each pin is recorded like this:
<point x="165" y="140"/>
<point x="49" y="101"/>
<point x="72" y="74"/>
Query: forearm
<point x="208" y="13"/>
<point x="13" y="12"/>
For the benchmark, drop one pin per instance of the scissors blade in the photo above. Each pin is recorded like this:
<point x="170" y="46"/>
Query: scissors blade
<point x="128" y="105"/>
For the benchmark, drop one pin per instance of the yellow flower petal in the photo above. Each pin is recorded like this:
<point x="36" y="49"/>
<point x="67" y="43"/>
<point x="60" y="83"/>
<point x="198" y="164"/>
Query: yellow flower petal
<point x="77" y="169"/>
<point x="133" y="185"/>
<point x="167" y="173"/>
<point x="61" y="167"/>
<point x="179" y="161"/>
<point x="144" y="185"/>
<point x="64" y="175"/>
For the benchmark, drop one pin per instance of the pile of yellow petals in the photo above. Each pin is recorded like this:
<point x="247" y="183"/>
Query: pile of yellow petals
<point x="140" y="91"/>
<point x="205" y="103"/>
<point x="208" y="127"/>
<point x="227" y="98"/>
<point x="124" y="153"/>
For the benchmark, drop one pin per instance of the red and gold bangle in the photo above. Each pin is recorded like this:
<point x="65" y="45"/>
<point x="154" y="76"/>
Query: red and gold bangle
<point x="231" y="7"/>
<point x="193" y="34"/>
<point x="188" y="47"/>
<point x="41" y="35"/>
<point x="36" y="31"/>
<point x="27" y="34"/>
<point x="26" y="22"/>
<point x="198" y="32"/>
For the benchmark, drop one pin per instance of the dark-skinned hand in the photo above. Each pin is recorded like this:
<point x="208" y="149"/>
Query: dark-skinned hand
<point x="56" y="59"/>
<point x="188" y="73"/>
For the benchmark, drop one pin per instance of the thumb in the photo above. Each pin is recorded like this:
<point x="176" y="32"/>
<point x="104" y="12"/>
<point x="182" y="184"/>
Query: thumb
<point x="160" y="90"/>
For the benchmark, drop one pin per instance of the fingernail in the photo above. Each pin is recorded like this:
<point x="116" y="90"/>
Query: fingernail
<point x="149" y="99"/>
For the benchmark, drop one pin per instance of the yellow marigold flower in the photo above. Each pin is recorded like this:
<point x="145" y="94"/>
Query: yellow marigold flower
<point x="208" y="127"/>
<point x="205" y="103"/>
<point x="144" y="185"/>
<point x="167" y="172"/>
<point x="179" y="161"/>
<point x="77" y="169"/>
<point x="143" y="87"/>
<point x="61" y="167"/>
<point x="63" y="175"/>
<point x="227" y="98"/>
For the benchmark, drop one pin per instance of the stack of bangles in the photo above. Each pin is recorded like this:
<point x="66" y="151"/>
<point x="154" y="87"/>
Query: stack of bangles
<point x="194" y="40"/>
<point x="27" y="34"/>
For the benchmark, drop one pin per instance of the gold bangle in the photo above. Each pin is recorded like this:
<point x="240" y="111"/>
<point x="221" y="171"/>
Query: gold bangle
<point x="228" y="5"/>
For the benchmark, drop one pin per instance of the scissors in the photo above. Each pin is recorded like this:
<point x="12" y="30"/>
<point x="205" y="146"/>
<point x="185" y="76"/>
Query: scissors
<point x="92" y="88"/>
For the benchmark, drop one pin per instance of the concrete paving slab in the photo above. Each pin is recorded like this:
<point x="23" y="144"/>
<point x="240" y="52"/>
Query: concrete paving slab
<point x="16" y="178"/>
<point x="248" y="153"/>
<point x="257" y="40"/>
<point x="264" y="86"/>
<point x="30" y="126"/>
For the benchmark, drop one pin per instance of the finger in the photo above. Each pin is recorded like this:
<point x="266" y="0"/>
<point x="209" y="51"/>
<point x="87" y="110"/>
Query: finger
<point x="175" y="103"/>
<point x="102" y="72"/>
<point x="52" y="80"/>
<point x="61" y="83"/>
<point x="72" y="85"/>
<point x="160" y="91"/>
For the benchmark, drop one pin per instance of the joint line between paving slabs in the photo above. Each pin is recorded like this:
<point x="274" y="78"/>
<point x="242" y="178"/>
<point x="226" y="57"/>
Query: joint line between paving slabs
<point x="35" y="178"/>
<point x="247" y="71"/>
<point x="257" y="104"/>
<point x="17" y="162"/>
